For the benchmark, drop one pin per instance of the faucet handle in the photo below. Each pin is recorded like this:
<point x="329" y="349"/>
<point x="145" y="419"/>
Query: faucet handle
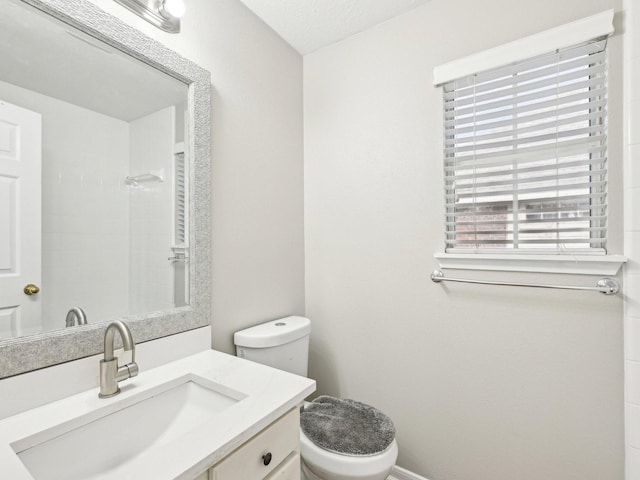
<point x="111" y="374"/>
<point x="133" y="369"/>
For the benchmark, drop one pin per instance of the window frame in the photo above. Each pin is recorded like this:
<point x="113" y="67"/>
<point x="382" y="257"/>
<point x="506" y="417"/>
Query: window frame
<point x="598" y="26"/>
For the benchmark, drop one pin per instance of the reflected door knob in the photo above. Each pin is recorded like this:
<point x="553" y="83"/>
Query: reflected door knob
<point x="31" y="289"/>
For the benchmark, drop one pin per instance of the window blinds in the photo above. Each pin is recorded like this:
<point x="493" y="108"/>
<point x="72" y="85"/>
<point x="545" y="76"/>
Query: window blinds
<point x="180" y="200"/>
<point x="525" y="154"/>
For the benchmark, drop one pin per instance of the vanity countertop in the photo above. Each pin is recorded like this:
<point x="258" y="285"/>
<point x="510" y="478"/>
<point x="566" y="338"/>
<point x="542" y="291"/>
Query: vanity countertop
<point x="267" y="394"/>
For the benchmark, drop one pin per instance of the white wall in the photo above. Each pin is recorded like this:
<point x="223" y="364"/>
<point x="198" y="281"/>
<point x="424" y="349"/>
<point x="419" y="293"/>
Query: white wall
<point x="85" y="209"/>
<point x="484" y="383"/>
<point x="632" y="236"/>
<point x="257" y="209"/>
<point x="151" y="212"/>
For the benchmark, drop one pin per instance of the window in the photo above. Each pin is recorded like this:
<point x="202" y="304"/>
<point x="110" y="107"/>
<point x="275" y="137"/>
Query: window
<point x="525" y="154"/>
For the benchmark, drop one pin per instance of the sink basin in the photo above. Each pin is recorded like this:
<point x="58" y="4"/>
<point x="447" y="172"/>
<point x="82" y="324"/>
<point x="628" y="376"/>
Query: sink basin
<point x="102" y="444"/>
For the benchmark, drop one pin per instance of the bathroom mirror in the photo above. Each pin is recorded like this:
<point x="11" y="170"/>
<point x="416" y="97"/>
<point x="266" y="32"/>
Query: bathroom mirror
<point x="114" y="131"/>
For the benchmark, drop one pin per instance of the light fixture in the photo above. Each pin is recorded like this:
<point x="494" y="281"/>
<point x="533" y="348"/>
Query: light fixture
<point x="172" y="8"/>
<point x="164" y="14"/>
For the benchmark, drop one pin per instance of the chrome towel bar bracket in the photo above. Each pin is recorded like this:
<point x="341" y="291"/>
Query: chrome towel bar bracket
<point x="608" y="286"/>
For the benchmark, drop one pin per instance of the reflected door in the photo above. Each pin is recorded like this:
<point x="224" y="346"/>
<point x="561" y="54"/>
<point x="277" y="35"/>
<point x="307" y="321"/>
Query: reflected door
<point x="20" y="220"/>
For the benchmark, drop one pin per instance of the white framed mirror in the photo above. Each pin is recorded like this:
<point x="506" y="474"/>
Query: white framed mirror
<point x="111" y="131"/>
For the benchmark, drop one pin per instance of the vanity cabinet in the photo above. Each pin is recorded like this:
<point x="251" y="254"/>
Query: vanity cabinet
<point x="273" y="454"/>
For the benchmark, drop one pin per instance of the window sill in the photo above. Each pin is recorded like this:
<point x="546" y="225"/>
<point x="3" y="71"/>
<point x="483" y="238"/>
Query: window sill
<point x="580" y="264"/>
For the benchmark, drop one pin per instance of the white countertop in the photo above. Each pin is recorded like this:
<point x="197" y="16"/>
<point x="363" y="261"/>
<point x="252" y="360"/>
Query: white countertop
<point x="270" y="393"/>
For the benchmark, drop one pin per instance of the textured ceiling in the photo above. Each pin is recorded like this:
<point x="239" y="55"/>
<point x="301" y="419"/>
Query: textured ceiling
<point x="308" y="25"/>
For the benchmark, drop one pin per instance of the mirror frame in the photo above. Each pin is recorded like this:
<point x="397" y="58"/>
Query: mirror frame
<point x="24" y="354"/>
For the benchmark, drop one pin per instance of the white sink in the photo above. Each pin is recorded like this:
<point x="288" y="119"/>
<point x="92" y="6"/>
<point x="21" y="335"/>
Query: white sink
<point x="102" y="444"/>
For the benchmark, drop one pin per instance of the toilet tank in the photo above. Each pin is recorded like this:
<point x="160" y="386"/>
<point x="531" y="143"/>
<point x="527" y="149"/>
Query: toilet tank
<point x="282" y="343"/>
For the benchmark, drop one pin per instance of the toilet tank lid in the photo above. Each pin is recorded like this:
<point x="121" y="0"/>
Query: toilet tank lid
<point x="274" y="333"/>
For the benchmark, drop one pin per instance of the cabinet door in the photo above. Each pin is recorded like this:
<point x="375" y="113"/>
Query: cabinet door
<point x="204" y="476"/>
<point x="260" y="456"/>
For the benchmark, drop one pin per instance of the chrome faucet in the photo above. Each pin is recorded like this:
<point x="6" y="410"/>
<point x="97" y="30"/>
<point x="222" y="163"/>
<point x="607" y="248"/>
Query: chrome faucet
<point x="76" y="316"/>
<point x="110" y="372"/>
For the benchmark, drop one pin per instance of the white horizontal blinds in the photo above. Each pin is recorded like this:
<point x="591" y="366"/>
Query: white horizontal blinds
<point x="525" y="154"/>
<point x="180" y="200"/>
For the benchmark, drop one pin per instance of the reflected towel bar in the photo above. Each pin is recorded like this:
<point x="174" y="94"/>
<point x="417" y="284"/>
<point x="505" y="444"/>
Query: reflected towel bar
<point x="608" y="286"/>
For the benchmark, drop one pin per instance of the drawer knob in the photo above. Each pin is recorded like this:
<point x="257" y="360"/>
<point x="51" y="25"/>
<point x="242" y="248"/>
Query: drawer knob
<point x="266" y="459"/>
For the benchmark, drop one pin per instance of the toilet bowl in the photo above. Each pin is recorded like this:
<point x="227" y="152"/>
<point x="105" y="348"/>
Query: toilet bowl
<point x="284" y="344"/>
<point x="321" y="464"/>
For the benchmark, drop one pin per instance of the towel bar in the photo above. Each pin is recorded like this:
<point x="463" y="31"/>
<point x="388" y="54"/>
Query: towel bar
<point x="608" y="286"/>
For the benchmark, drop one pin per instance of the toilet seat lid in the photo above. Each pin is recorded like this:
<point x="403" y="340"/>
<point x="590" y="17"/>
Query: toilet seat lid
<point x="347" y="427"/>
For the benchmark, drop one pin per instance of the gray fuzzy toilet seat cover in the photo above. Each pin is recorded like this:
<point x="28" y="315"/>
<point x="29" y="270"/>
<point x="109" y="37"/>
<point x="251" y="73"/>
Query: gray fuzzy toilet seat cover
<point x="346" y="426"/>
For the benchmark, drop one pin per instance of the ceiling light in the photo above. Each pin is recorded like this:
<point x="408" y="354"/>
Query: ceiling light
<point x="164" y="14"/>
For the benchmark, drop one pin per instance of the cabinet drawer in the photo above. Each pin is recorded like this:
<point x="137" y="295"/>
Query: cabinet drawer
<point x="248" y="462"/>
<point x="288" y="470"/>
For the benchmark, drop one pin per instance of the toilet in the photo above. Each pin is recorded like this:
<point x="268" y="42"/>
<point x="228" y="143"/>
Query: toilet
<point x="284" y="344"/>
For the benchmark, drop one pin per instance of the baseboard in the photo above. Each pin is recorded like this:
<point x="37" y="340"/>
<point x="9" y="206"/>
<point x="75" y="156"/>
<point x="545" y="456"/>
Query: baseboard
<point x="398" y="473"/>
